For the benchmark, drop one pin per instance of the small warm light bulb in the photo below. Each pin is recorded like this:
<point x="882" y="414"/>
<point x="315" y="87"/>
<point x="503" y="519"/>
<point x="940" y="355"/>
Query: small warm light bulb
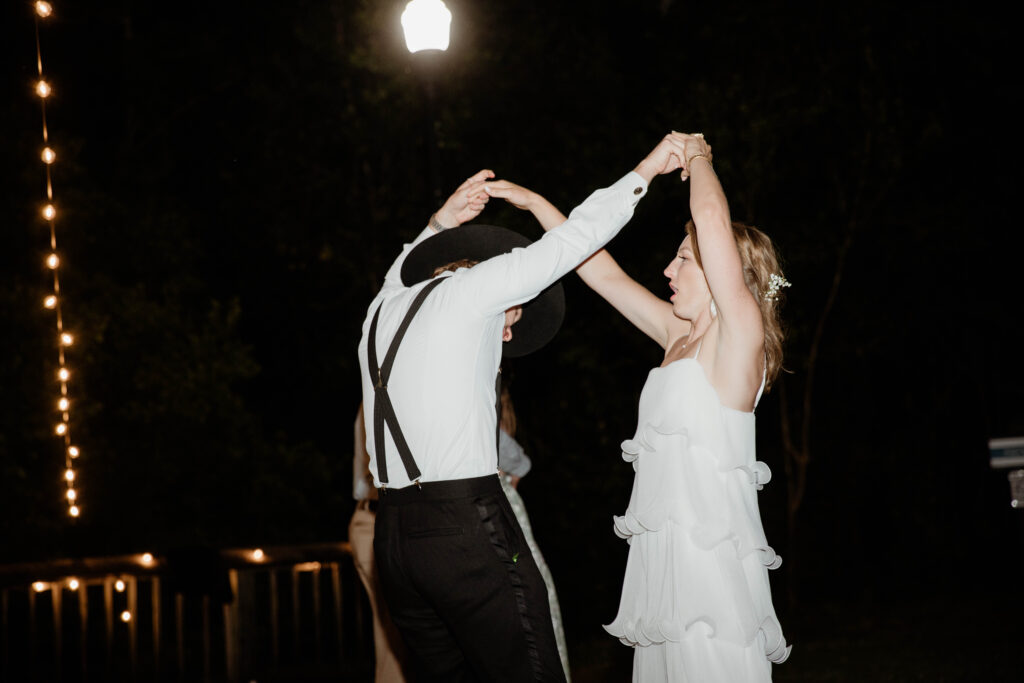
<point x="52" y="261"/>
<point x="50" y="301"/>
<point x="63" y="404"/>
<point x="147" y="558"/>
<point x="257" y="555"/>
<point x="43" y="89"/>
<point x="61" y="429"/>
<point x="73" y="511"/>
<point x="126" y="616"/>
<point x="73" y="451"/>
<point x="72" y="495"/>
<point x="49" y="156"/>
<point x="119" y="586"/>
<point x="66" y="339"/>
<point x="73" y="584"/>
<point x="39" y="586"/>
<point x="49" y="212"/>
<point x="69" y="474"/>
<point x="64" y="374"/>
<point x="44" y="9"/>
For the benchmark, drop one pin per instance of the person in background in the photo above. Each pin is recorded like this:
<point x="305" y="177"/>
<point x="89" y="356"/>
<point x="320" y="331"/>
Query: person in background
<point x="513" y="465"/>
<point x="389" y="651"/>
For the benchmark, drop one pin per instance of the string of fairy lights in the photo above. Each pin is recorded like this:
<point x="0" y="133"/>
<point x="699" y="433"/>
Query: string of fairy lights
<point x="43" y="11"/>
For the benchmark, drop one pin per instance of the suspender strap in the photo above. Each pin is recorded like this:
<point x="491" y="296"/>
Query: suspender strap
<point x="497" y="413"/>
<point x="383" y="410"/>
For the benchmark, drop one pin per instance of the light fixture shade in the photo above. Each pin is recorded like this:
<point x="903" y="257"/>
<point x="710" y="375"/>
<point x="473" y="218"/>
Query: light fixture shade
<point x="426" y="24"/>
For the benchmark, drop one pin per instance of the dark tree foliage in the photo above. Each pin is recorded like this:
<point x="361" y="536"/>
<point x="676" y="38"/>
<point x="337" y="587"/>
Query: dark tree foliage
<point x="234" y="179"/>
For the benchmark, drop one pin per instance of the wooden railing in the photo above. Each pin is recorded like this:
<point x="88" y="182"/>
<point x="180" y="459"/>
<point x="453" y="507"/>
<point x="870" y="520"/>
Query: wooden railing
<point x="272" y="614"/>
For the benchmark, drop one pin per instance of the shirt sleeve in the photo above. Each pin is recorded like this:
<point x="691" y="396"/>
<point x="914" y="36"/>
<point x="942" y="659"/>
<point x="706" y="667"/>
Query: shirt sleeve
<point x="516" y="277"/>
<point x="393" y="278"/>
<point x="512" y="459"/>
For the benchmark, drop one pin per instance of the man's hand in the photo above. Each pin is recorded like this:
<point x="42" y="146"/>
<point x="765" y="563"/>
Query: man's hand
<point x="668" y="156"/>
<point x="467" y="202"/>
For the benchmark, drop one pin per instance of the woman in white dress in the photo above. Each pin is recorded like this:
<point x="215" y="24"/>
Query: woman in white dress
<point x="696" y="602"/>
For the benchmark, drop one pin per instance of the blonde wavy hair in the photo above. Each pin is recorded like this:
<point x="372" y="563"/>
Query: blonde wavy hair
<point x="760" y="261"/>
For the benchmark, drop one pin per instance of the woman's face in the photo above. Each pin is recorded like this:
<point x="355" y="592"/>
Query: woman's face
<point x="690" y="293"/>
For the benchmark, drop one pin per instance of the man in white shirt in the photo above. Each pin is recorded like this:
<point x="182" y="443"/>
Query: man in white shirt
<point x="456" y="571"/>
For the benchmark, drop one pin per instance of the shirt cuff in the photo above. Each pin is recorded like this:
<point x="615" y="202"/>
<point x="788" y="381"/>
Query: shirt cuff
<point x="633" y="185"/>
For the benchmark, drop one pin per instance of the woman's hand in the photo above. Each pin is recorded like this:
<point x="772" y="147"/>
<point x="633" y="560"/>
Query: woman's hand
<point x="516" y="195"/>
<point x="467" y="202"/>
<point x="693" y="146"/>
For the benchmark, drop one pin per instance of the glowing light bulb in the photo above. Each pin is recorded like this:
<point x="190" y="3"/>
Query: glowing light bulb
<point x="72" y="495"/>
<point x="52" y="261"/>
<point x="39" y="586"/>
<point x="73" y="584"/>
<point x="73" y="511"/>
<point x="49" y="156"/>
<point x="63" y="404"/>
<point x="147" y="558"/>
<point x="126" y="616"/>
<point x="50" y="301"/>
<point x="49" y="212"/>
<point x="43" y="89"/>
<point x="44" y="9"/>
<point x="73" y="451"/>
<point x="119" y="586"/>
<point x="61" y="429"/>
<point x="69" y="474"/>
<point x="66" y="339"/>
<point x="257" y="555"/>
<point x="64" y="374"/>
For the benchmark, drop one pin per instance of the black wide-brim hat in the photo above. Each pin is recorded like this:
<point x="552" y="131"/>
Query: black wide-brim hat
<point x="542" y="316"/>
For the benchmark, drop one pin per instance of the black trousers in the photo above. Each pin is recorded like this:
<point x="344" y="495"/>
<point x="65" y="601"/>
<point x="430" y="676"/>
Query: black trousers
<point x="462" y="586"/>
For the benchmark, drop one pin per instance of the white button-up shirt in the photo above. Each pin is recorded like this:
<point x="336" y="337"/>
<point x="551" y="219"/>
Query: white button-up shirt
<point x="442" y="381"/>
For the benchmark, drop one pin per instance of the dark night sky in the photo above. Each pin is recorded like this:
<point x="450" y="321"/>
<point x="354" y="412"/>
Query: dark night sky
<point x="234" y="180"/>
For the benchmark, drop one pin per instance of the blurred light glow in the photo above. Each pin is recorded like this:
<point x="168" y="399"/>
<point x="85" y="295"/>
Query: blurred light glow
<point x="73" y="584"/>
<point x="126" y="616"/>
<point x="69" y="474"/>
<point x="72" y="495"/>
<point x="50" y="301"/>
<point x="49" y="156"/>
<point x="74" y="511"/>
<point x="49" y="212"/>
<point x="258" y="555"/>
<point x="147" y="558"/>
<point x="64" y="374"/>
<point x="426" y="24"/>
<point x="119" y="586"/>
<point x="52" y="261"/>
<point x="44" y="9"/>
<point x="40" y="586"/>
<point x="43" y="89"/>
<point x="61" y="429"/>
<point x="73" y="451"/>
<point x="63" y="404"/>
<point x="66" y="339"/>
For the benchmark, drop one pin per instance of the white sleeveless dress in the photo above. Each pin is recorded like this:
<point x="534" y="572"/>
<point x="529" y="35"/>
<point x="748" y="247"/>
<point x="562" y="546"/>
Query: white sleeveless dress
<point x="696" y="603"/>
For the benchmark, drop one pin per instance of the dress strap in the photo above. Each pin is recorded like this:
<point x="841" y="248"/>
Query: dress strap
<point x="696" y="356"/>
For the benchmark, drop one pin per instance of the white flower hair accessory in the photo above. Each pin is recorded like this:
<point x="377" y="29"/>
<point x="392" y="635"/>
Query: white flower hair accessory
<point x="775" y="283"/>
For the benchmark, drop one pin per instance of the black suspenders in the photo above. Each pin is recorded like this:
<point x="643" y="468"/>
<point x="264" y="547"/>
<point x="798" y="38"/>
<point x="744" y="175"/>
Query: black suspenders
<point x="383" y="410"/>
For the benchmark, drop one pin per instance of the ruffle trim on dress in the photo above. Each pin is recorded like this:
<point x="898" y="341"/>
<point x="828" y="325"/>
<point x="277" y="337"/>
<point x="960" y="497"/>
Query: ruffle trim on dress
<point x="640" y="633"/>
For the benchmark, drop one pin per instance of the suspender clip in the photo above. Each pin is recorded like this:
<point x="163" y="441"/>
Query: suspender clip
<point x="418" y="485"/>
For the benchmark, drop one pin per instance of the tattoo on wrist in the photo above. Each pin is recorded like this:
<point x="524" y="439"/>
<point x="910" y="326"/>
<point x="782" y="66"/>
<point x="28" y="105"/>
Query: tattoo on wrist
<point x="436" y="224"/>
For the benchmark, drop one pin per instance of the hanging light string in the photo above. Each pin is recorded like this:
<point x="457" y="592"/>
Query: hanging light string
<point x="43" y="10"/>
